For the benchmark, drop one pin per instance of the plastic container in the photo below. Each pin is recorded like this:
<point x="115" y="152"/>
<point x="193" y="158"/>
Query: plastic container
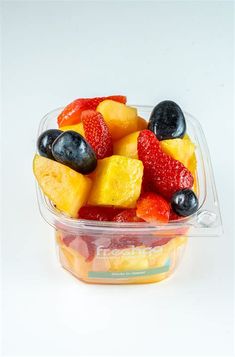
<point x="128" y="253"/>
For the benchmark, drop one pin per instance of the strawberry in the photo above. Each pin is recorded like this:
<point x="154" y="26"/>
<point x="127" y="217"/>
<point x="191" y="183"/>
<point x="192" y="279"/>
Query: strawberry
<point x="90" y="246"/>
<point x="155" y="242"/>
<point x="97" y="133"/>
<point x="67" y="239"/>
<point x="84" y="245"/>
<point x="147" y="185"/>
<point x="153" y="208"/>
<point x="124" y="242"/>
<point x="166" y="174"/>
<point x="98" y="213"/>
<point x="71" y="114"/>
<point x="174" y="216"/>
<point x="128" y="215"/>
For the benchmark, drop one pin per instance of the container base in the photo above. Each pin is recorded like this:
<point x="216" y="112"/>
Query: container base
<point x="138" y="268"/>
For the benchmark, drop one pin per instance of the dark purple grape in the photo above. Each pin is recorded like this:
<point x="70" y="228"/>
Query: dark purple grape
<point x="184" y="202"/>
<point x="167" y="121"/>
<point x="45" y="141"/>
<point x="72" y="150"/>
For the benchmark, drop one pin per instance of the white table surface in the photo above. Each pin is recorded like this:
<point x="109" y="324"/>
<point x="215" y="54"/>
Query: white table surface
<point x="54" y="52"/>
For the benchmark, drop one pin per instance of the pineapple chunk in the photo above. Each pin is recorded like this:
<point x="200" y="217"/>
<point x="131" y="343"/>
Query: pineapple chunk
<point x="67" y="258"/>
<point x="121" y="119"/>
<point x="127" y="146"/>
<point x="141" y="124"/>
<point x="77" y="127"/>
<point x="129" y="260"/>
<point x="66" y="188"/>
<point x="183" y="150"/>
<point x="180" y="149"/>
<point x="192" y="166"/>
<point x="117" y="182"/>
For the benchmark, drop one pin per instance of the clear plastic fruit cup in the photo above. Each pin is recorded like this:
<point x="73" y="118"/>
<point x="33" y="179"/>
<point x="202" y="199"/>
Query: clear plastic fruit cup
<point x="129" y="253"/>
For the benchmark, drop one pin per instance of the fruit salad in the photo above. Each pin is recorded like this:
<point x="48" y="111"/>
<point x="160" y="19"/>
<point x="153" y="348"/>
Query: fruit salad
<point x="106" y="166"/>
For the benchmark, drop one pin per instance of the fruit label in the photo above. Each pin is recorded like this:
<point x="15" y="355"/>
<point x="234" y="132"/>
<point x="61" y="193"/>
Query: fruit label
<point x="130" y="273"/>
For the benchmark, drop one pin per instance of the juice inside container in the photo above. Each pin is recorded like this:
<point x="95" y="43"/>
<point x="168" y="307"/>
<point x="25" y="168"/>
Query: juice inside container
<point x="133" y="252"/>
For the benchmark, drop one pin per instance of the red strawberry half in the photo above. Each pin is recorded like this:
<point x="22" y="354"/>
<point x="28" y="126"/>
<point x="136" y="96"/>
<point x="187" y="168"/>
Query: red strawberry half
<point x="124" y="242"/>
<point x="84" y="245"/>
<point x="174" y="216"/>
<point x="153" y="208"/>
<point x="165" y="173"/>
<point x="98" y="213"/>
<point x="72" y="112"/>
<point x="128" y="215"/>
<point x="155" y="242"/>
<point x="97" y="133"/>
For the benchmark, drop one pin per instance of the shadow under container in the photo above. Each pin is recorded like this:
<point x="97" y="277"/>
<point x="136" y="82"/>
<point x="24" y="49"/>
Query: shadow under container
<point x="129" y="253"/>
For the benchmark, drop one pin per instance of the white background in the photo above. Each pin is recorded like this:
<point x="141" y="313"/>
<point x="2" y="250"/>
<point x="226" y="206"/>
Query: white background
<point x="54" y="52"/>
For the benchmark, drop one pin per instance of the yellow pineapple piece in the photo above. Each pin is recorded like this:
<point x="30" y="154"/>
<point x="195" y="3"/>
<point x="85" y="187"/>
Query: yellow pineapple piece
<point x="100" y="264"/>
<point x="121" y="119"/>
<point x="117" y="182"/>
<point x="180" y="149"/>
<point x="192" y="166"/>
<point x="77" y="127"/>
<point x="66" y="188"/>
<point x="129" y="259"/>
<point x="127" y="146"/>
<point x="73" y="261"/>
<point x="141" y="123"/>
<point x="157" y="258"/>
<point x="67" y="259"/>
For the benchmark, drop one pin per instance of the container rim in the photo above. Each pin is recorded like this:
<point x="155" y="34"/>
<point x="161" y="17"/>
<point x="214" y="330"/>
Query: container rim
<point x="205" y="222"/>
